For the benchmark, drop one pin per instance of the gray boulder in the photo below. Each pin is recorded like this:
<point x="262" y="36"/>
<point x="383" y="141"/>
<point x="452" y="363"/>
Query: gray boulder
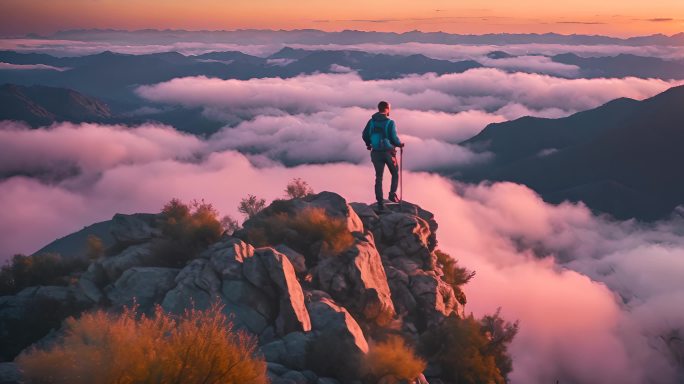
<point x="134" y="229"/>
<point x="357" y="279"/>
<point x="339" y="346"/>
<point x="114" y="266"/>
<point x="290" y="351"/>
<point x="144" y="286"/>
<point x="273" y="273"/>
<point x="435" y="298"/>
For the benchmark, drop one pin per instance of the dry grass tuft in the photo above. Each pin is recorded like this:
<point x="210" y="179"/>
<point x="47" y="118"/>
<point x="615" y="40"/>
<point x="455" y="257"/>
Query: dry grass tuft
<point x="394" y="358"/>
<point x="100" y="348"/>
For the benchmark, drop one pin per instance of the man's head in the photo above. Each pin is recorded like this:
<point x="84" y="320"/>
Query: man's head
<point x="384" y="107"/>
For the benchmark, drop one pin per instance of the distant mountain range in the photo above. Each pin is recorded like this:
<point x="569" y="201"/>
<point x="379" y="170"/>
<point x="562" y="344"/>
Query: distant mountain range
<point x="313" y="36"/>
<point x="112" y="76"/>
<point x="624" y="65"/>
<point x="40" y="105"/>
<point x="624" y="158"/>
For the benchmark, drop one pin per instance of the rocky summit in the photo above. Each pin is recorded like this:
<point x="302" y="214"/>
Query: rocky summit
<point x="314" y="303"/>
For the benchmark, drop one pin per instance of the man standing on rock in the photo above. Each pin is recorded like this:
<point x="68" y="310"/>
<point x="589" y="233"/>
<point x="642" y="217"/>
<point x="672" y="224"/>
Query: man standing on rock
<point x="380" y="136"/>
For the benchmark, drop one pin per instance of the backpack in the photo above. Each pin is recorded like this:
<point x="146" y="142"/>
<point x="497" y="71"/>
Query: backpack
<point x="379" y="136"/>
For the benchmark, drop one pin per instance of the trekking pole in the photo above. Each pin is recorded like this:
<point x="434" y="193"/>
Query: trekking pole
<point x="401" y="175"/>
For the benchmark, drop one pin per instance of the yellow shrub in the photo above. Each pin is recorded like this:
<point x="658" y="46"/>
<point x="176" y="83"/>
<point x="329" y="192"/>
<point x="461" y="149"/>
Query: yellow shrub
<point x="393" y="357"/>
<point x="302" y="229"/>
<point x="99" y="348"/>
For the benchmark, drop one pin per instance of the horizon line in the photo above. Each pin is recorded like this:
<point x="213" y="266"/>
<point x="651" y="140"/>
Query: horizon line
<point x="32" y="35"/>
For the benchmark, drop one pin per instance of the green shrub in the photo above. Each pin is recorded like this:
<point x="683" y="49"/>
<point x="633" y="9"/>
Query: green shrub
<point x="394" y="358"/>
<point x="186" y="230"/>
<point x="308" y="231"/>
<point x="467" y="350"/>
<point x="454" y="275"/>
<point x="100" y="348"/>
<point x="43" y="269"/>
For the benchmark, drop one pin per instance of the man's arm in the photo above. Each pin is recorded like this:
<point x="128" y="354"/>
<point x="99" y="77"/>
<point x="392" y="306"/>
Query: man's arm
<point x="366" y="134"/>
<point x="394" y="139"/>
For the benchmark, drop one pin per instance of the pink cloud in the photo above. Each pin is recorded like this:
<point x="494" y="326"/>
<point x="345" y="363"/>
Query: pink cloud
<point x="484" y="89"/>
<point x="573" y="328"/>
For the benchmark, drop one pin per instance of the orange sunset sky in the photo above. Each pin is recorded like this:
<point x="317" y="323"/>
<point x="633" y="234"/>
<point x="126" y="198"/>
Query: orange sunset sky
<point x="608" y="17"/>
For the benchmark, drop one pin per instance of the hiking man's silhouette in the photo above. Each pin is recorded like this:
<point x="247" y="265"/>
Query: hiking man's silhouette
<point x="380" y="136"/>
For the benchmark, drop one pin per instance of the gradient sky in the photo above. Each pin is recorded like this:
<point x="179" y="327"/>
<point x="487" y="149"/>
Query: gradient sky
<point x="608" y="17"/>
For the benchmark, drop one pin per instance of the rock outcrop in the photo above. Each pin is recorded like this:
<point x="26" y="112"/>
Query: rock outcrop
<point x="313" y="308"/>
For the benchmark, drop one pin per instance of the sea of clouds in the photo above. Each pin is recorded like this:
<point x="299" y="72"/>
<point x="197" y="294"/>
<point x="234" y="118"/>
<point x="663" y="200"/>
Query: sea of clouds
<point x="598" y="300"/>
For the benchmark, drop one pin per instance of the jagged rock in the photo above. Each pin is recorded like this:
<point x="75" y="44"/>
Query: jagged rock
<point x="197" y="285"/>
<point x="290" y="351"/>
<point x="357" y="279"/>
<point x="227" y="255"/>
<point x="334" y="326"/>
<point x="134" y="229"/>
<point x="134" y="256"/>
<point x="143" y="286"/>
<point x="402" y="230"/>
<point x="436" y="299"/>
<point x="10" y="374"/>
<point x="297" y="259"/>
<point x="272" y="272"/>
<point x="403" y="299"/>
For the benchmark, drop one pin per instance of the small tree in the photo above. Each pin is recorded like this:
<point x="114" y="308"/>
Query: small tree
<point x="229" y="224"/>
<point x="298" y="188"/>
<point x="454" y="275"/>
<point x="471" y="351"/>
<point x="187" y="230"/>
<point x="251" y="205"/>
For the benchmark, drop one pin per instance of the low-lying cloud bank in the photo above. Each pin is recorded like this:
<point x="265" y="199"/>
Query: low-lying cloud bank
<point x="484" y="89"/>
<point x="61" y="47"/>
<point x="318" y="118"/>
<point x="598" y="301"/>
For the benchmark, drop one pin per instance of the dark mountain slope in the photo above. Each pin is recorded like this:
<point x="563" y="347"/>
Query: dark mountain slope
<point x="39" y="105"/>
<point x="624" y="65"/>
<point x="623" y="158"/>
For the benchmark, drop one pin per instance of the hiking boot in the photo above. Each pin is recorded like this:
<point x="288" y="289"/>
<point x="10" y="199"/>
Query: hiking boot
<point x="393" y="198"/>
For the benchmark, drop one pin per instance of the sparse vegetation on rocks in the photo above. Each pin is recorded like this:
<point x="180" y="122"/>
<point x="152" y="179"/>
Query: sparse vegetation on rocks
<point x="298" y="188"/>
<point x="43" y="269"/>
<point x="187" y="230"/>
<point x="327" y="291"/>
<point x="196" y="347"/>
<point x="393" y="357"/>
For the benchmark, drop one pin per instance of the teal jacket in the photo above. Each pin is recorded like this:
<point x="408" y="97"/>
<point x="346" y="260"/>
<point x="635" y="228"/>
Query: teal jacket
<point x="380" y="133"/>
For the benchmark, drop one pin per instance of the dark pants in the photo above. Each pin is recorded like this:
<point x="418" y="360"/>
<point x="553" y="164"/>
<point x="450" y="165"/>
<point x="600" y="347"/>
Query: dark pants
<point x="380" y="159"/>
